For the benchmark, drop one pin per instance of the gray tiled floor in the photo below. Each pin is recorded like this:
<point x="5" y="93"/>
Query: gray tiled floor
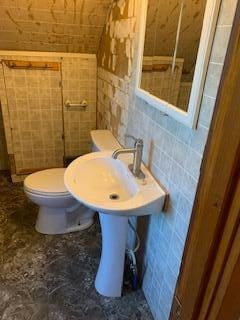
<point x="52" y="277"/>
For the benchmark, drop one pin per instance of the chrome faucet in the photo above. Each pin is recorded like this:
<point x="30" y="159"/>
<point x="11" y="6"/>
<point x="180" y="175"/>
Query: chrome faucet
<point x="135" y="167"/>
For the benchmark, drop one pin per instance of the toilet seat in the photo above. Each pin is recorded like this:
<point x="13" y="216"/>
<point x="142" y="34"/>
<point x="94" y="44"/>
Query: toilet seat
<point x="47" y="183"/>
<point x="47" y="194"/>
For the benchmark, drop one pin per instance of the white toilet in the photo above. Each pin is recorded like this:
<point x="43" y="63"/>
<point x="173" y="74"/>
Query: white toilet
<point x="59" y="212"/>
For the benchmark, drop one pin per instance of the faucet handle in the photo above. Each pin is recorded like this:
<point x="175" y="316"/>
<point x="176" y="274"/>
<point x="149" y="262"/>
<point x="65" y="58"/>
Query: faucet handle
<point x="136" y="140"/>
<point x="131" y="137"/>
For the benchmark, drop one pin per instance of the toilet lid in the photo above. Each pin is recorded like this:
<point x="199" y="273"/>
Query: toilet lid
<point x="46" y="182"/>
<point x="104" y="140"/>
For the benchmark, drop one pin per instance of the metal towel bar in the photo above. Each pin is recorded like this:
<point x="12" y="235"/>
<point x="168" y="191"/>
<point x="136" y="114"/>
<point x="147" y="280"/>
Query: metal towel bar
<point x="83" y="104"/>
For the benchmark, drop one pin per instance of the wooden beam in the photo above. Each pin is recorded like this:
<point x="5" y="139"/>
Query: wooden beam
<point x="160" y="67"/>
<point x="32" y="65"/>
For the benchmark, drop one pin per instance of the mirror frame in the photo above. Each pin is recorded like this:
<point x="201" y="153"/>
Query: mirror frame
<point x="190" y="117"/>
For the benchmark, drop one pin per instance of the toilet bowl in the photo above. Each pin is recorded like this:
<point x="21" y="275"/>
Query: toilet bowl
<point x="58" y="212"/>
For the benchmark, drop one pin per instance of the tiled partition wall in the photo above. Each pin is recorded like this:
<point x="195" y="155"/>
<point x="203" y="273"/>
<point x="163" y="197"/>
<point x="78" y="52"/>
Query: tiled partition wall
<point x="172" y="151"/>
<point x="35" y="116"/>
<point x="184" y="95"/>
<point x="35" y="110"/>
<point x="79" y="83"/>
<point x="162" y="83"/>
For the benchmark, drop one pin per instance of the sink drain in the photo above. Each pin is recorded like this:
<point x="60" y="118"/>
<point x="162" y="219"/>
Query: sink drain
<point x="114" y="196"/>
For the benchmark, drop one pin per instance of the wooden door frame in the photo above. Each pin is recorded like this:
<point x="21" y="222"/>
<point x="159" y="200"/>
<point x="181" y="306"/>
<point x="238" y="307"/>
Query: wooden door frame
<point x="216" y="212"/>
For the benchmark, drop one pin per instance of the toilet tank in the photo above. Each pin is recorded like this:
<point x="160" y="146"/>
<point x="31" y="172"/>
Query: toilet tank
<point x="103" y="140"/>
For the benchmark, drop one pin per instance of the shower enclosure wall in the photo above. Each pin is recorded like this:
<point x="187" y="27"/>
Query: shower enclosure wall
<point x="41" y="130"/>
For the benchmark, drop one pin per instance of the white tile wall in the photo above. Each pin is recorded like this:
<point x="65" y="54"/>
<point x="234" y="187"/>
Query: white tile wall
<point x="178" y="170"/>
<point x="174" y="153"/>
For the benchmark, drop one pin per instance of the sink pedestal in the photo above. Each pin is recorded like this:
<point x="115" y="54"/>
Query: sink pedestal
<point x="109" y="277"/>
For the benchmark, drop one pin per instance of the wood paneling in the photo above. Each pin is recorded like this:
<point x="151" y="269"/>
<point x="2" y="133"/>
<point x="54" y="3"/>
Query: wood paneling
<point x="230" y="308"/>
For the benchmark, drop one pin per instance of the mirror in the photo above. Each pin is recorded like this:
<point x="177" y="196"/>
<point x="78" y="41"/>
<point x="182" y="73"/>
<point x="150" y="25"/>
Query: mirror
<point x="175" y="46"/>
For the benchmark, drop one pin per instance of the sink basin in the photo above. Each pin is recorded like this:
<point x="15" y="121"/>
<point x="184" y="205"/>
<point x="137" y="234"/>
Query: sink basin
<point x="106" y="185"/>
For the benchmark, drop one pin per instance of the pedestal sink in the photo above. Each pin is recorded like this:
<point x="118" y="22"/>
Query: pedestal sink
<point x="106" y="185"/>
